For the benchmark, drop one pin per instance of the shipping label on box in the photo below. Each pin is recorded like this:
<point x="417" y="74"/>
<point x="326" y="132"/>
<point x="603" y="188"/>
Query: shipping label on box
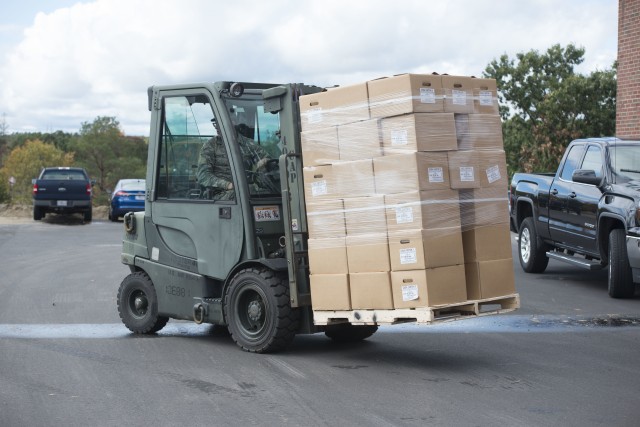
<point x="336" y="106"/>
<point x="458" y="92"/>
<point x="418" y="132"/>
<point x="463" y="169"/>
<point x="416" y="249"/>
<point x="402" y="173"/>
<point x="404" y="94"/>
<point x="429" y="287"/>
<point x="423" y="210"/>
<point x="320" y="183"/>
<point x="485" y="96"/>
<point x="493" y="166"/>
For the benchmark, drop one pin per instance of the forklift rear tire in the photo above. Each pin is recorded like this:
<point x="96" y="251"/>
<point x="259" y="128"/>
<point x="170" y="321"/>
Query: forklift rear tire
<point x="346" y="332"/>
<point x="138" y="304"/>
<point x="258" y="311"/>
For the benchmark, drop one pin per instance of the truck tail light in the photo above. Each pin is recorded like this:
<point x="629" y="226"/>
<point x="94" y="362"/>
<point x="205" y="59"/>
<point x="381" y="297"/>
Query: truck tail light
<point x="89" y="189"/>
<point x="35" y="189"/>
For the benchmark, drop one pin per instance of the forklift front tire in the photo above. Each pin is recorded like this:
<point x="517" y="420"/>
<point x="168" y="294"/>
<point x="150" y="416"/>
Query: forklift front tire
<point x="138" y="304"/>
<point x="258" y="311"/>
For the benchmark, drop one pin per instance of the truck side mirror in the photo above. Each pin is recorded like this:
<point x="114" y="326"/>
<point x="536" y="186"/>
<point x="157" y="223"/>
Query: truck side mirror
<point x="586" y="176"/>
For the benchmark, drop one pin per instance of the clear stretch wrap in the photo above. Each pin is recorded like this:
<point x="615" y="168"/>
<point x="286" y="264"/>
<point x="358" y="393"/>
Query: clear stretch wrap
<point x="406" y="193"/>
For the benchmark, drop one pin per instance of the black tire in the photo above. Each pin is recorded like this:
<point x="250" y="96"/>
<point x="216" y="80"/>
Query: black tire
<point x="88" y="215"/>
<point x="531" y="253"/>
<point x="620" y="277"/>
<point x="258" y="311"/>
<point x="112" y="217"/>
<point x="138" y="304"/>
<point x="346" y="332"/>
<point x="37" y="213"/>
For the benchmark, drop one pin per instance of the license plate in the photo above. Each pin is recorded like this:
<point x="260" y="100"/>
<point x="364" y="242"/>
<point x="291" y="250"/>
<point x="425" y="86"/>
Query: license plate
<point x="139" y="197"/>
<point x="266" y="213"/>
<point x="62" y="203"/>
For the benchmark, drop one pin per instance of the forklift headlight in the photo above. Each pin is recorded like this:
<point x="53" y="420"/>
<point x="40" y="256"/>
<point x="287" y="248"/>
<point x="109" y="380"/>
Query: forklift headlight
<point x="236" y="90"/>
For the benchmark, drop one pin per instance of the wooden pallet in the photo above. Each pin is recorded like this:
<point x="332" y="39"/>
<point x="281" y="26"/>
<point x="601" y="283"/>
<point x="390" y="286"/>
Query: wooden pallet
<point x="444" y="313"/>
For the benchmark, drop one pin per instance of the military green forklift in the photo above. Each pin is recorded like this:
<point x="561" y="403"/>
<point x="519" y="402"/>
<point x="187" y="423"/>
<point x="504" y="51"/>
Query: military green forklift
<point x="238" y="261"/>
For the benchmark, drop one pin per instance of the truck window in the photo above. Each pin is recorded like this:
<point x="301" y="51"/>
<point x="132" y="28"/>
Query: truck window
<point x="64" y="174"/>
<point x="188" y="124"/>
<point x="593" y="160"/>
<point x="571" y="162"/>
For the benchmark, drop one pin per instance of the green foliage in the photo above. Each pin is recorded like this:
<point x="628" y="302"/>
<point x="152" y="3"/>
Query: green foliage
<point x="545" y="104"/>
<point x="109" y="155"/>
<point x="25" y="163"/>
<point x="5" y="196"/>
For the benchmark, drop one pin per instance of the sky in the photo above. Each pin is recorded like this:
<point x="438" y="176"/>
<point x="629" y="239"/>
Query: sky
<point x="64" y="63"/>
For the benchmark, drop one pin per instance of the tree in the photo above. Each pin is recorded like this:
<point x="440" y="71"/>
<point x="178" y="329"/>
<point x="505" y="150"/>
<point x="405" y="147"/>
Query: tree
<point x="545" y="104"/>
<point x="4" y="126"/>
<point x="108" y="155"/>
<point x="25" y="163"/>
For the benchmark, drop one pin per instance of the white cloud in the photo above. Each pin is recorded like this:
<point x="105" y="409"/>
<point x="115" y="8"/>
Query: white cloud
<point x="98" y="58"/>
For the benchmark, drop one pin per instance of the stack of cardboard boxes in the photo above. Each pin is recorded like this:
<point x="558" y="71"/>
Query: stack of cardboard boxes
<point x="405" y="186"/>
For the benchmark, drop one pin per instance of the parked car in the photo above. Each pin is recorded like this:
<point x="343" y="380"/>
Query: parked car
<point x="62" y="190"/>
<point x="127" y="196"/>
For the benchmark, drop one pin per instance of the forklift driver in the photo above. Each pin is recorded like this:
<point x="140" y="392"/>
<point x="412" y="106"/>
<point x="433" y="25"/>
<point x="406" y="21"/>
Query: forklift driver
<point x="214" y="168"/>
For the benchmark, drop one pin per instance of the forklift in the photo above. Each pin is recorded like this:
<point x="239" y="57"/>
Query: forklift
<point x="240" y="261"/>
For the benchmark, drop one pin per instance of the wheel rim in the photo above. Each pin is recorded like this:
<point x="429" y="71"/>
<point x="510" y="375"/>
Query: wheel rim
<point x="525" y="245"/>
<point x="138" y="304"/>
<point x="251" y="312"/>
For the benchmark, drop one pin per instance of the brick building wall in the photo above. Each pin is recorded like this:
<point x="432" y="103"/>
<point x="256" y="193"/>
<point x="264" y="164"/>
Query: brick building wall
<point x="628" y="96"/>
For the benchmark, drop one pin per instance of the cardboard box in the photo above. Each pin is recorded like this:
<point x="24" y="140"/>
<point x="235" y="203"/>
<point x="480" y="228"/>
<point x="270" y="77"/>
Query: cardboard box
<point x="422" y="210"/>
<point x="365" y="216"/>
<point x="429" y="288"/>
<point x="479" y="132"/>
<point x="493" y="169"/>
<point x="368" y="253"/>
<point x="327" y="256"/>
<point x="485" y="96"/>
<point x="487" y="243"/>
<point x="320" y="146"/>
<point x="336" y="106"/>
<point x="418" y="132"/>
<point x="355" y="178"/>
<point x="489" y="279"/>
<point x="463" y="169"/>
<point x="483" y="206"/>
<point x="411" y="172"/>
<point x="325" y="219"/>
<point x="458" y="93"/>
<point x="320" y="183"/>
<point x="371" y="291"/>
<point x="418" y="249"/>
<point x="330" y="292"/>
<point x="360" y="140"/>
<point x="405" y="93"/>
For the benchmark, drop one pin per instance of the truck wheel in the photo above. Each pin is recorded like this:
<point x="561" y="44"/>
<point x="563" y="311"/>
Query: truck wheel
<point x="258" y="311"/>
<point x="346" y="332"/>
<point x="620" y="278"/>
<point x="87" y="215"/>
<point x="138" y="304"/>
<point x="533" y="258"/>
<point x="37" y="213"/>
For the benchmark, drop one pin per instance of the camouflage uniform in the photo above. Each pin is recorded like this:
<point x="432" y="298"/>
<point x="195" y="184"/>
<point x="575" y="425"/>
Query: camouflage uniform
<point x="214" y="167"/>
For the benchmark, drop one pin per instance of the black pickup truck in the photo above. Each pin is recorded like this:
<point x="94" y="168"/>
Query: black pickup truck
<point x="586" y="214"/>
<point x="62" y="190"/>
